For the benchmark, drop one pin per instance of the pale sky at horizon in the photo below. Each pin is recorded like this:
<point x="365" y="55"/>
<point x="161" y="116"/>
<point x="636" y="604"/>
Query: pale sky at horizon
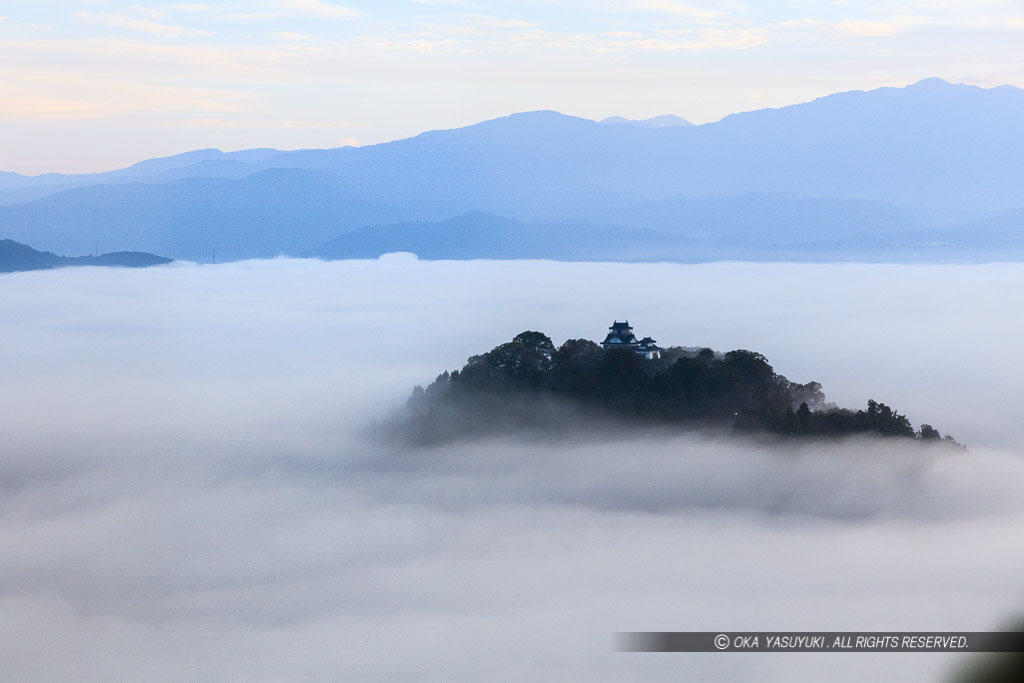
<point x="92" y="85"/>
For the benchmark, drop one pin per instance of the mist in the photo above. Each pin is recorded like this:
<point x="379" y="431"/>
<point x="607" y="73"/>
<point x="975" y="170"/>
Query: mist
<point x="193" y="486"/>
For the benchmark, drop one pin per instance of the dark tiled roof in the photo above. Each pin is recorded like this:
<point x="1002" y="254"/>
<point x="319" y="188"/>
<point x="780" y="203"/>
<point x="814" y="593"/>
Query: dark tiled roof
<point x="623" y="339"/>
<point x="616" y="325"/>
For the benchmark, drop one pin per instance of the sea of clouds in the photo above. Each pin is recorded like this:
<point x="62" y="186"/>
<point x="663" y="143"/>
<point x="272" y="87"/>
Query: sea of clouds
<point x="191" y="486"/>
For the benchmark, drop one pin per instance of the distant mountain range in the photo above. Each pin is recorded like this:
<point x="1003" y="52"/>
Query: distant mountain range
<point x="845" y="176"/>
<point x="16" y="257"/>
<point x="477" y="235"/>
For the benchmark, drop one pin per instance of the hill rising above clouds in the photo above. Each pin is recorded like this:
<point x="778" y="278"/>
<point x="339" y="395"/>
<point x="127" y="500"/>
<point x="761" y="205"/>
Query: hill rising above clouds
<point x="15" y="257"/>
<point x="528" y="386"/>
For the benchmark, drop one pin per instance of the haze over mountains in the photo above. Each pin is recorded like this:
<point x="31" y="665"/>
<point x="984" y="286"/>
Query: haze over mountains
<point x="930" y="171"/>
<point x="663" y="121"/>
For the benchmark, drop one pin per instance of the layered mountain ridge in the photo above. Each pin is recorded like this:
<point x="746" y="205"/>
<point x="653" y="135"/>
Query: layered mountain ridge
<point x="844" y="176"/>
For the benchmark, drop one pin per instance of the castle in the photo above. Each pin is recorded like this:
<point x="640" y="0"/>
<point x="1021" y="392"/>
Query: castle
<point x="620" y="336"/>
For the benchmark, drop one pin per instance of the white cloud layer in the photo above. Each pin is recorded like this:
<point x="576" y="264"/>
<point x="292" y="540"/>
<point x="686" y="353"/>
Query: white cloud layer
<point x="190" y="490"/>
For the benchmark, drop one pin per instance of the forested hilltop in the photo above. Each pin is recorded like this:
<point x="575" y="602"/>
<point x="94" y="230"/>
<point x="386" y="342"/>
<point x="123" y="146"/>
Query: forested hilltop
<point x="528" y="384"/>
<point x="15" y="257"/>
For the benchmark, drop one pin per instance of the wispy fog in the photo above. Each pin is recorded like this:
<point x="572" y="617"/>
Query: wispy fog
<point x="191" y="487"/>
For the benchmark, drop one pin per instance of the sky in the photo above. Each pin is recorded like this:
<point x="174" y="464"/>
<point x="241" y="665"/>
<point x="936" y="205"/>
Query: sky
<point x="92" y="85"/>
<point x="193" y="487"/>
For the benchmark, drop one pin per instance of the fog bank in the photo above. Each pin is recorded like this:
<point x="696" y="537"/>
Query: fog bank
<point x="192" y="489"/>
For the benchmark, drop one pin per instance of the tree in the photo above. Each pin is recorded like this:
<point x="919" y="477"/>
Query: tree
<point x="578" y="354"/>
<point x="884" y="420"/>
<point x="752" y="365"/>
<point x="537" y="341"/>
<point x="575" y="364"/>
<point x="620" y="374"/>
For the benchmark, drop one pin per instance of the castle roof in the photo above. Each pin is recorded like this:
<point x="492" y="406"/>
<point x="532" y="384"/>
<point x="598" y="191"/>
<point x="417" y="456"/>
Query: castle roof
<point x="648" y="344"/>
<point x="625" y="339"/>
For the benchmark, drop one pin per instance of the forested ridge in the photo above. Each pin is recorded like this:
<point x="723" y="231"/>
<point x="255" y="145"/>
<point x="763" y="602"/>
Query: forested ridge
<point x="530" y="384"/>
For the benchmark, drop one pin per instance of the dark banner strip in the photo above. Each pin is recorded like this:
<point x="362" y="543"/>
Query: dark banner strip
<point x="819" y="641"/>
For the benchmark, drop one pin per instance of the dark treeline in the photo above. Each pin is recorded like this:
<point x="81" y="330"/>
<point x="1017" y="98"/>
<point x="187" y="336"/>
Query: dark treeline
<point x="529" y="383"/>
<point x="15" y="257"/>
